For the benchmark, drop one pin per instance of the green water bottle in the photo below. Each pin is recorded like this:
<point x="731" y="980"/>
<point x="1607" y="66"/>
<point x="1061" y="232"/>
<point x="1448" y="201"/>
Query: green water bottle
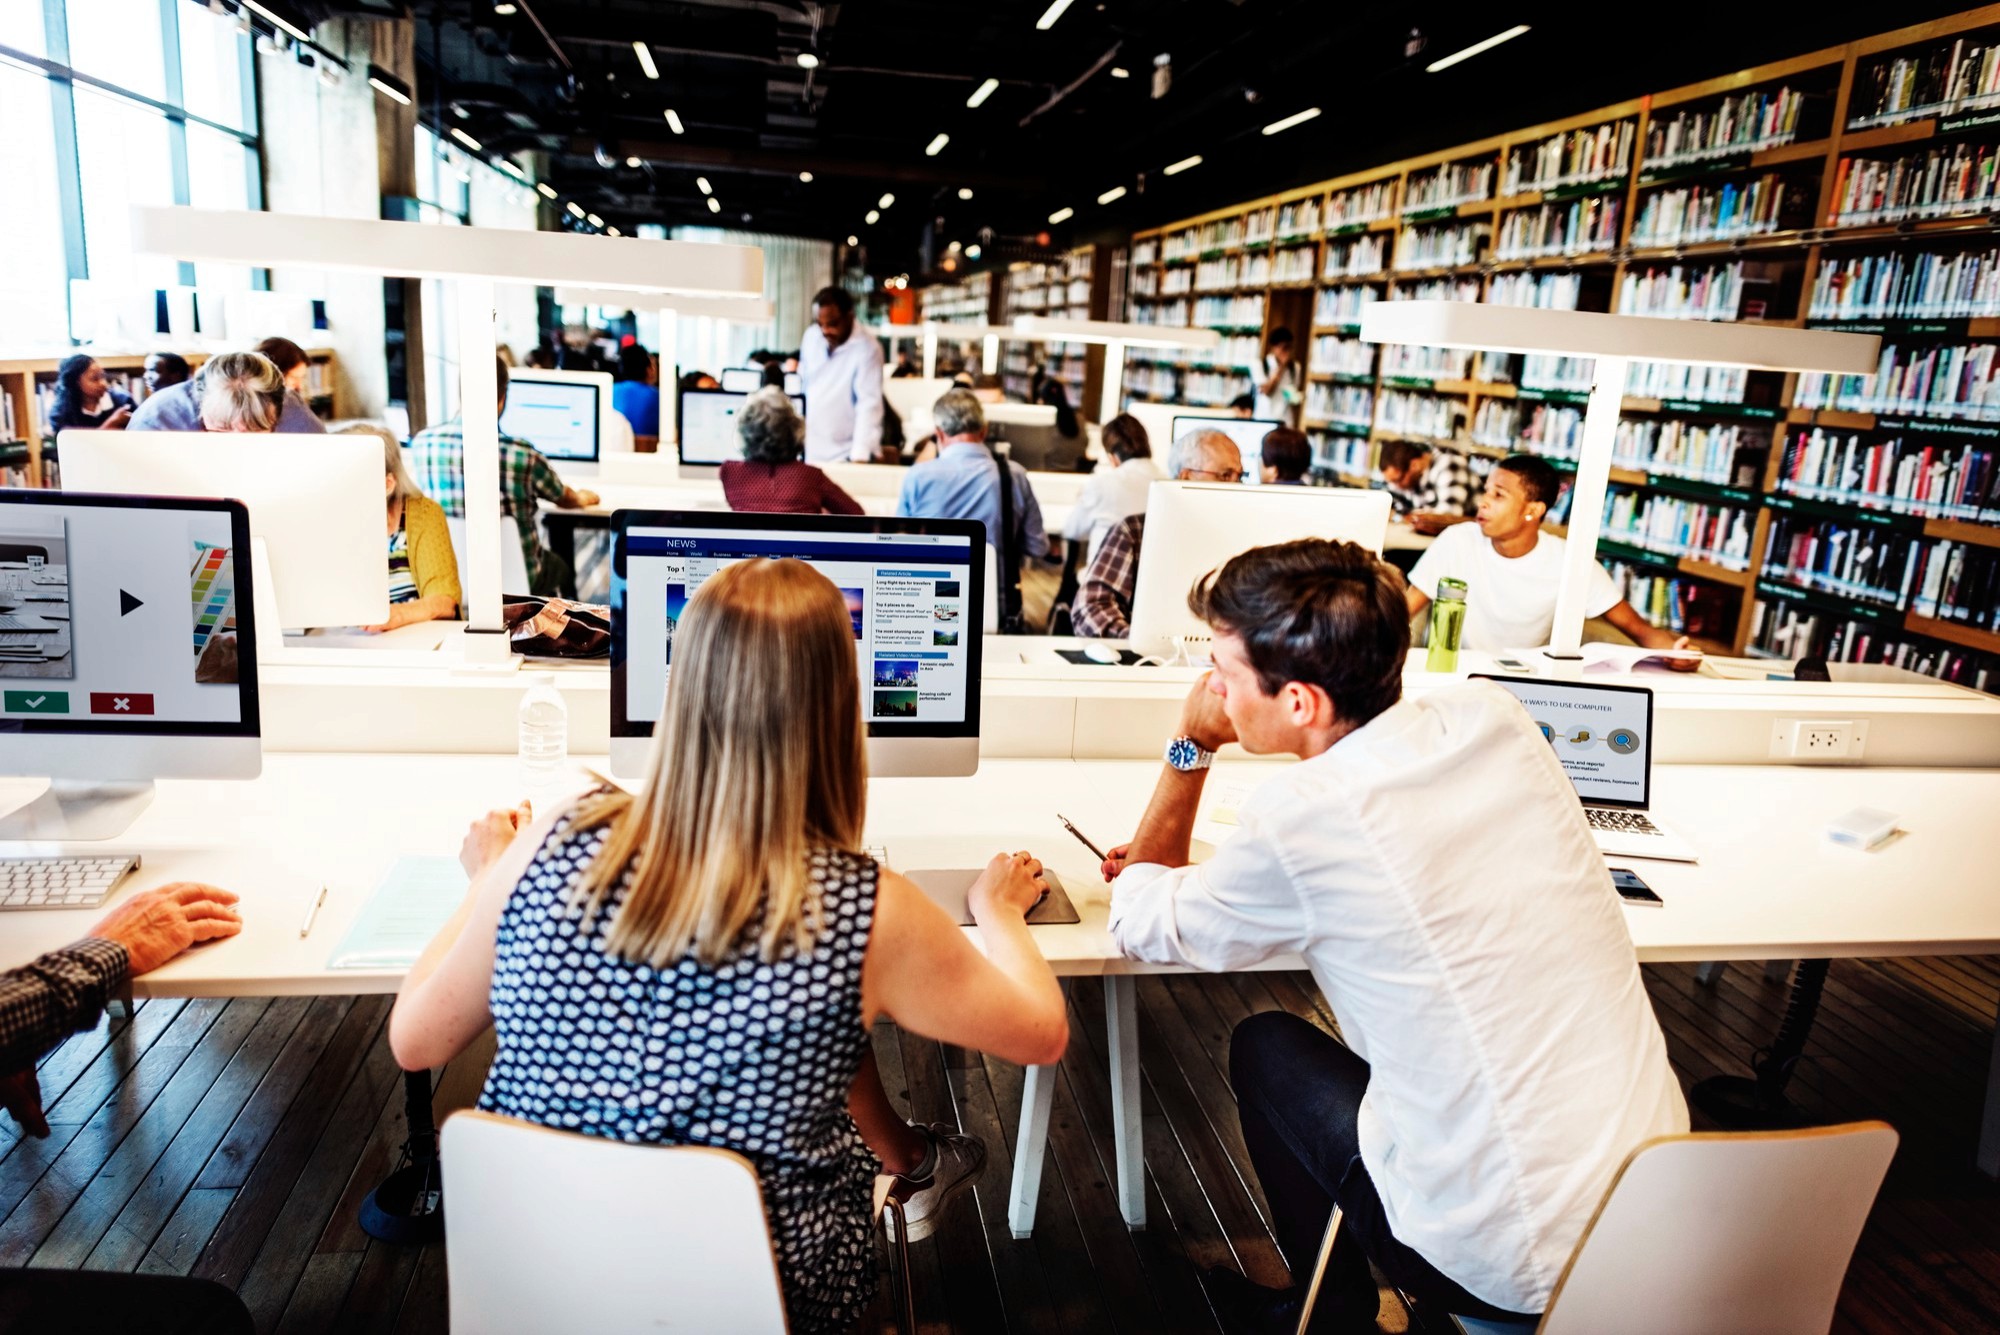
<point x="1447" y="625"/>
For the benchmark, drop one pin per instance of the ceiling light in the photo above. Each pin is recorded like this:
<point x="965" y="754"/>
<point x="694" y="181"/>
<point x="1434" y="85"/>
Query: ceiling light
<point x="871" y="217"/>
<point x="1177" y="168"/>
<point x="633" y="162"/>
<point x="1120" y="72"/>
<point x="853" y="240"/>
<point x="388" y="85"/>
<point x="674" y="122"/>
<point x="808" y="59"/>
<point x="596" y="221"/>
<point x="1062" y="215"/>
<point x="1116" y="192"/>
<point x="613" y="231"/>
<point x="805" y="178"/>
<point x="466" y="139"/>
<point x="972" y="251"/>
<point x="981" y="93"/>
<point x="548" y="191"/>
<point x="645" y="54"/>
<point x="701" y="184"/>
<point x="505" y="9"/>
<point x="936" y="145"/>
<point x="1296" y="118"/>
<point x="714" y="206"/>
<point x="1051" y="14"/>
<point x="575" y="209"/>
<point x="286" y="24"/>
<point x="885" y="201"/>
<point x="1477" y="47"/>
<point x="512" y="168"/>
<point x="965" y="192"/>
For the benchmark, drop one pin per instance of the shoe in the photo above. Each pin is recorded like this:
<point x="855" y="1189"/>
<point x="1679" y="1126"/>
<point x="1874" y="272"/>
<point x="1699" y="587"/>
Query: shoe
<point x="957" y="1162"/>
<point x="1245" y="1307"/>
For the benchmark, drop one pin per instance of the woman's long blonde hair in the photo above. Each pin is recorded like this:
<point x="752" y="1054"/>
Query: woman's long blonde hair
<point x="757" y="759"/>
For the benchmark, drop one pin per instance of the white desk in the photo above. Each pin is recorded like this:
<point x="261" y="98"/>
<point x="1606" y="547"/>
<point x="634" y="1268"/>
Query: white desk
<point x="1768" y="887"/>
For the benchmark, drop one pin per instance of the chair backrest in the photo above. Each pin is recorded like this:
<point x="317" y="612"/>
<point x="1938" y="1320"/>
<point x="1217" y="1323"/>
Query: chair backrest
<point x="513" y="561"/>
<point x="550" y="1230"/>
<point x="1725" y="1231"/>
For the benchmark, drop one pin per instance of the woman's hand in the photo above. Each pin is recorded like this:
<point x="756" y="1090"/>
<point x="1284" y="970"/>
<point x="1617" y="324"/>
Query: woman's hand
<point x="1011" y="884"/>
<point x="489" y="837"/>
<point x="117" y="420"/>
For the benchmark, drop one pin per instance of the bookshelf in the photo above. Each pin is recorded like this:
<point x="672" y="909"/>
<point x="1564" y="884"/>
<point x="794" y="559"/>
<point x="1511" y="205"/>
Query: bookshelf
<point x="27" y="393"/>
<point x="1854" y="187"/>
<point x="967" y="302"/>
<point x="1060" y="289"/>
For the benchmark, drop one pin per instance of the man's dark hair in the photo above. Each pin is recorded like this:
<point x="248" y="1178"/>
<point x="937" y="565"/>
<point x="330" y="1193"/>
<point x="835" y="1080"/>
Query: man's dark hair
<point x="1328" y="614"/>
<point x="1125" y="438"/>
<point x="837" y="297"/>
<point x="500" y="374"/>
<point x="1400" y="454"/>
<point x="1288" y="451"/>
<point x="281" y="353"/>
<point x="175" y="365"/>
<point x="1243" y="403"/>
<point x="634" y="363"/>
<point x="1279" y="337"/>
<point x="1541" y="481"/>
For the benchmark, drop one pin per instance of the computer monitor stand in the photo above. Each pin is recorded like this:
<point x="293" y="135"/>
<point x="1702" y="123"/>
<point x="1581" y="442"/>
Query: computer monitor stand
<point x="79" y="810"/>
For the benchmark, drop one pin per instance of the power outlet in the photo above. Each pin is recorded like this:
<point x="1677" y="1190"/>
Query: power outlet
<point x="1817" y="739"/>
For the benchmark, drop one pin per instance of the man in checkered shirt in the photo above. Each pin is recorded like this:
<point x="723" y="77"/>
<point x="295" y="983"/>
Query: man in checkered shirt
<point x="1103" y="608"/>
<point x="1431" y="489"/>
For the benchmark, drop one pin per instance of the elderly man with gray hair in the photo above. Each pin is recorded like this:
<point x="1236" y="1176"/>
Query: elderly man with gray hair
<point x="963" y="482"/>
<point x="771" y="477"/>
<point x="1103" y="608"/>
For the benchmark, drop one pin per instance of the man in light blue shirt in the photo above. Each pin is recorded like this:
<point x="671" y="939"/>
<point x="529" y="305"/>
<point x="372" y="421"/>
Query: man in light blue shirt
<point x="963" y="482"/>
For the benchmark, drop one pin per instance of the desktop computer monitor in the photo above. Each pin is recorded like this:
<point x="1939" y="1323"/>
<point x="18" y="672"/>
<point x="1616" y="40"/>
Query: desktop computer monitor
<point x="709" y="437"/>
<point x="316" y="507"/>
<point x="1248" y="433"/>
<point x="1193" y="527"/>
<point x="914" y="588"/>
<point x="564" y="414"/>
<point x="750" y="379"/>
<point x="127" y="653"/>
<point x="1158" y="419"/>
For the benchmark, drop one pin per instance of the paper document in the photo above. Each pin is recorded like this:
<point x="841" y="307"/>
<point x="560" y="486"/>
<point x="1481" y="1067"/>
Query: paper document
<point x="1624" y="657"/>
<point x="416" y="897"/>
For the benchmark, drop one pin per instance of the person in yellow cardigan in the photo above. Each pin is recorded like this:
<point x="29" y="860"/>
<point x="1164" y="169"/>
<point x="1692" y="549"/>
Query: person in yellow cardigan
<point x="423" y="572"/>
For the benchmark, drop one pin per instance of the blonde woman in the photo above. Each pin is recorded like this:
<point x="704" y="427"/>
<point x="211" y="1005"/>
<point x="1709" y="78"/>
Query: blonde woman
<point x="241" y="391"/>
<point x="423" y="569"/>
<point x="722" y="945"/>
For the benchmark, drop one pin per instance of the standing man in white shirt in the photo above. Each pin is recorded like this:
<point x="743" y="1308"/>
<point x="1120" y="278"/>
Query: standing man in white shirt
<point x="843" y="383"/>
<point x="1512" y="569"/>
<point x="1498" y="1056"/>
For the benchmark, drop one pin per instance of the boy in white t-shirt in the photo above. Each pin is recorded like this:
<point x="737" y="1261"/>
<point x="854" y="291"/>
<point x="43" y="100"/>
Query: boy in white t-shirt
<point x="1512" y="569"/>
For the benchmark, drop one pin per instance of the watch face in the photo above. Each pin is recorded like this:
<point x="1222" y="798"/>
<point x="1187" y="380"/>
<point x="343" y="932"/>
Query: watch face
<point x="1182" y="753"/>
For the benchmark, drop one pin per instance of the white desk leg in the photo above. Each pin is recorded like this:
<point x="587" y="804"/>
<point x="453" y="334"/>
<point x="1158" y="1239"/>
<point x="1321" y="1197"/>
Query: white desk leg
<point x="1031" y="1148"/>
<point x="1989" y="1118"/>
<point x="1121" y="1017"/>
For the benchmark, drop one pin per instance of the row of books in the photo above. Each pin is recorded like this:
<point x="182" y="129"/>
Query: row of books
<point x="10" y="426"/>
<point x="1932" y="181"/>
<point x="1741" y="123"/>
<point x="1728" y="454"/>
<point x="1356" y="256"/>
<point x="1230" y="312"/>
<point x="1234" y="351"/>
<point x="1925" y="284"/>
<point x="1781" y="629"/>
<point x="1293" y="264"/>
<point x="1349" y="455"/>
<point x="1931" y="477"/>
<point x="1550" y="291"/>
<point x="1428" y="363"/>
<point x="1346" y="405"/>
<point x="1448" y="185"/>
<point x="1678" y="526"/>
<point x="1335" y="355"/>
<point x="1554" y="431"/>
<point x="1683" y="291"/>
<point x="1299" y="218"/>
<point x="1220" y="275"/>
<point x="1694" y="384"/>
<point x="1954" y="380"/>
<point x="1932" y="577"/>
<point x="1548" y="371"/>
<point x="1336" y="306"/>
<point x="1166" y="282"/>
<point x="1963" y="76"/>
<point x="1682" y="605"/>
<point x="1573" y="228"/>
<point x="1205" y="388"/>
<point x="1436" y="289"/>
<point x="1417" y="416"/>
<point x="1360" y="204"/>
<point x="1441" y="245"/>
<point x="1572" y="157"/>
<point x="1706" y="211"/>
<point x="1173" y="314"/>
<point x="1260" y="225"/>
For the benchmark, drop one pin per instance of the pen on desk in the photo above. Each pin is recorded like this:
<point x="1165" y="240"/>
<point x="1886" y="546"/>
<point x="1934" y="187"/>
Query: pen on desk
<point x="305" y="928"/>
<point x="1101" y="857"/>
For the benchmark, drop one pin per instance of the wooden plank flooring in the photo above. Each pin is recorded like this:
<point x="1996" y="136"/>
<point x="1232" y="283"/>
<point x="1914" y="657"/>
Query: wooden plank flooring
<point x="235" y="1139"/>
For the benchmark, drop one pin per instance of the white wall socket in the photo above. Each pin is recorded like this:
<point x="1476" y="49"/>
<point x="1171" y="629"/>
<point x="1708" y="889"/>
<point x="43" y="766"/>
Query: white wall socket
<point x="1813" y="739"/>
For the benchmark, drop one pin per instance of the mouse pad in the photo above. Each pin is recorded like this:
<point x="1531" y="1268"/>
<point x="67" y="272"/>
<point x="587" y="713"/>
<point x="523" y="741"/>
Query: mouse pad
<point x="1126" y="658"/>
<point x="948" y="887"/>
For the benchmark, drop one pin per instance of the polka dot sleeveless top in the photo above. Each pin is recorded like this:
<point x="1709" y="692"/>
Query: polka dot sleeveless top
<point x="747" y="1056"/>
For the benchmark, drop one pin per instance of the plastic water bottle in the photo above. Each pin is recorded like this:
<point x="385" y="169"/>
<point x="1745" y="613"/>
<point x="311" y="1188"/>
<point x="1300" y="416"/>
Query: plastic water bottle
<point x="544" y="733"/>
<point x="1447" y="625"/>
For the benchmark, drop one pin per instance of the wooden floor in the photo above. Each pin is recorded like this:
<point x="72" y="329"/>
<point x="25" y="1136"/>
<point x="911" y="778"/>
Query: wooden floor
<point x="234" y="1139"/>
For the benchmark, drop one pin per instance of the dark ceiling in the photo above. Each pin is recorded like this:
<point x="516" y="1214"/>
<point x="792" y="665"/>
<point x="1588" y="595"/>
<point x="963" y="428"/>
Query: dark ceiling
<point x="1062" y="127"/>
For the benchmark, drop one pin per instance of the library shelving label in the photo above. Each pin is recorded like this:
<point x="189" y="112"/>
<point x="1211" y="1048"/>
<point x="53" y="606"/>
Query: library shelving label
<point x="1848" y="513"/>
<point x="1717" y="409"/>
<point x="1858" y="611"/>
<point x="1573" y="397"/>
<point x="1431" y="215"/>
<point x="1968" y="123"/>
<point x="1927" y="328"/>
<point x="1717" y="166"/>
<point x="1348" y="229"/>
<point x="1583" y="189"/>
<point x="1924" y="426"/>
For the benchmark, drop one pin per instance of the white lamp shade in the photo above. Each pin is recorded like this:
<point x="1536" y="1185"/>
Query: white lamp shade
<point x="1109" y="331"/>
<point x="735" y="309"/>
<point x="1485" y="327"/>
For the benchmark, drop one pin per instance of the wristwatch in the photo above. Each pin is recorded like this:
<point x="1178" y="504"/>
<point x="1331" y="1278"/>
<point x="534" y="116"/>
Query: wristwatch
<point x="1186" y="755"/>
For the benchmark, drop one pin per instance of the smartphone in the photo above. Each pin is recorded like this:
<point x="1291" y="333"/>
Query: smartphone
<point x="1513" y="665"/>
<point x="1633" y="890"/>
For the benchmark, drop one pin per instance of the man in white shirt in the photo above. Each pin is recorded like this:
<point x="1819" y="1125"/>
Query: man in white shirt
<point x="843" y="383"/>
<point x="1114" y="493"/>
<point x="1498" y="1057"/>
<point x="1512" y="569"/>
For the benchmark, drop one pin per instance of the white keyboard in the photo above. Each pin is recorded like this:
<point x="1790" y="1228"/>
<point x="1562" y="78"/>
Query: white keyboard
<point x="61" y="883"/>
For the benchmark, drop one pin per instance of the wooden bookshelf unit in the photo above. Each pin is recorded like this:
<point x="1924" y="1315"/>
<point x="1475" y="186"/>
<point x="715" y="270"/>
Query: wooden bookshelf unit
<point x="1856" y="187"/>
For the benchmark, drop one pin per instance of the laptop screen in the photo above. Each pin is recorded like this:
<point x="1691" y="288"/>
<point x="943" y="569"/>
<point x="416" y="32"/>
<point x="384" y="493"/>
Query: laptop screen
<point x="1602" y="734"/>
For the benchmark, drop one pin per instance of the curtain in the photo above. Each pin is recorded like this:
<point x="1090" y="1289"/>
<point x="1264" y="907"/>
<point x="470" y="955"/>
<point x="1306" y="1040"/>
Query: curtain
<point x="795" y="268"/>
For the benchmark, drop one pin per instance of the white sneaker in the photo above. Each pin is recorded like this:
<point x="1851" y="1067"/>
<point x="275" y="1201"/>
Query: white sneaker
<point x="960" y="1159"/>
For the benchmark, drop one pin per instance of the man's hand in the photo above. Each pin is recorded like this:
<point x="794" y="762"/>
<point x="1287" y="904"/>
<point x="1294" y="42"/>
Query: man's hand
<point x="489" y="836"/>
<point x="1204" y="719"/>
<point x="1684" y="664"/>
<point x="160" y="924"/>
<point x="1011" y="884"/>
<point x="21" y="1095"/>
<point x="1114" y="861"/>
<point x="1430" y="521"/>
<point x="584" y="498"/>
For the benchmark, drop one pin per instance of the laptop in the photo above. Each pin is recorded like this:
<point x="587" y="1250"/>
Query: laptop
<point x="1604" y="737"/>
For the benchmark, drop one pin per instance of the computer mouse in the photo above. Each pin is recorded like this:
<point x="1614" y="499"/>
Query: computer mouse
<point x="1099" y="652"/>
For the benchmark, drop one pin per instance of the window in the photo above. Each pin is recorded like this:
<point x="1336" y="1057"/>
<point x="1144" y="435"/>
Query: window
<point x="125" y="159"/>
<point x="118" y="41"/>
<point x="214" y="76"/>
<point x="220" y="173"/>
<point x="33" y="282"/>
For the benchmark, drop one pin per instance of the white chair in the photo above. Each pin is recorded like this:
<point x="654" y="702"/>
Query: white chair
<point x="550" y="1230"/>
<point x="1724" y="1231"/>
<point x="513" y="561"/>
<point x="989" y="611"/>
